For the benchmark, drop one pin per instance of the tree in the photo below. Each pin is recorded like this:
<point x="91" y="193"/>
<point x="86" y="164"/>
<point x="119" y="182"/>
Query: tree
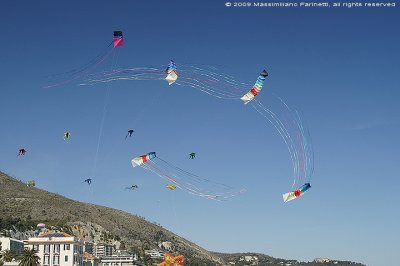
<point x="29" y="258"/>
<point x="8" y="255"/>
<point x="1" y="262"/>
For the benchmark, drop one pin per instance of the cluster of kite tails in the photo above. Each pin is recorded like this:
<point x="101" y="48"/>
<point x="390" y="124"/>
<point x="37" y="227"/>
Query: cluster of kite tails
<point x="207" y="80"/>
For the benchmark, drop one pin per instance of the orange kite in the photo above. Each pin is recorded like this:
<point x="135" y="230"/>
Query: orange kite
<point x="170" y="260"/>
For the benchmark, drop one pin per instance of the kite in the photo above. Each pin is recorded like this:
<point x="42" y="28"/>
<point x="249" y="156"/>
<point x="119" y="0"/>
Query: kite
<point x="39" y="228"/>
<point x="21" y="152"/>
<point x="170" y="260"/>
<point x="67" y="135"/>
<point x="179" y="178"/>
<point x="89" y="181"/>
<point x="256" y="88"/>
<point x="172" y="75"/>
<point x="130" y="132"/>
<point x="170" y="186"/>
<point x="140" y="160"/>
<point x="118" y="39"/>
<point x="205" y="79"/>
<point x="285" y="120"/>
<point x="296" y="193"/>
<point x="192" y="155"/>
<point x="132" y="187"/>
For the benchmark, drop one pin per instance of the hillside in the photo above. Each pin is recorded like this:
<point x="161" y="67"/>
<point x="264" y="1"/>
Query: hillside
<point x="22" y="207"/>
<point x="26" y="206"/>
<point x="242" y="259"/>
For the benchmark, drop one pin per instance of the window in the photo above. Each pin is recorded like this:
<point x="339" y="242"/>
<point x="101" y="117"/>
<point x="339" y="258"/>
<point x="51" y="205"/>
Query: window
<point x="66" y="247"/>
<point x="46" y="248"/>
<point x="56" y="248"/>
<point x="46" y="260"/>
<point x="56" y="259"/>
<point x="66" y="258"/>
<point x="36" y="247"/>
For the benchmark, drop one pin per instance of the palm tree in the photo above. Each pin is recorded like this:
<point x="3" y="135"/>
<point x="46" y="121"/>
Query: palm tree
<point x="8" y="255"/>
<point x="1" y="262"/>
<point x="29" y="258"/>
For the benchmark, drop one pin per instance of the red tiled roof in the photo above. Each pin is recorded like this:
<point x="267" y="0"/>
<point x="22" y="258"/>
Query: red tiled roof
<point x="89" y="256"/>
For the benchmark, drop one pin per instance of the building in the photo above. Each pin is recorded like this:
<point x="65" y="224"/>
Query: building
<point x="89" y="247"/>
<point x="12" y="263"/>
<point x="122" y="252"/>
<point x="154" y="254"/>
<point x="322" y="260"/>
<point x="121" y="258"/>
<point x="16" y="246"/>
<point x="103" y="250"/>
<point x="90" y="260"/>
<point x="57" y="249"/>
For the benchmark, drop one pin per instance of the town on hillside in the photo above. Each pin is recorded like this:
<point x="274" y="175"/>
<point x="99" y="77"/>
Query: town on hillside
<point x="62" y="249"/>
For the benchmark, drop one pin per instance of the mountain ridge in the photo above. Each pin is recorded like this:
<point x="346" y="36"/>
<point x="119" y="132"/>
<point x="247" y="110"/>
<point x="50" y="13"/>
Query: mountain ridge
<point x="22" y="207"/>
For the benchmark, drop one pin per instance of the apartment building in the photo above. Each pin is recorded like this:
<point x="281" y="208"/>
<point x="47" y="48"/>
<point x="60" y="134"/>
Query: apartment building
<point x="15" y="245"/>
<point x="103" y="250"/>
<point x="57" y="249"/>
<point x="154" y="254"/>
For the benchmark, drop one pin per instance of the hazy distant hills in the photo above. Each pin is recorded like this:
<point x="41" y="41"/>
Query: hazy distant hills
<point x="242" y="259"/>
<point x="22" y="207"/>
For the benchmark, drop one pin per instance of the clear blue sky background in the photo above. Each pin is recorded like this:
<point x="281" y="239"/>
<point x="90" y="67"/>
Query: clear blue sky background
<point x="340" y="67"/>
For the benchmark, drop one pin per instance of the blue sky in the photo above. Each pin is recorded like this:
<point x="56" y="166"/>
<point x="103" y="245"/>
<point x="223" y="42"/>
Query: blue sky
<point x="339" y="67"/>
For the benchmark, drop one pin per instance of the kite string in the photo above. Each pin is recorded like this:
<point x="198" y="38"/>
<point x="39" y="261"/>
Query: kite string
<point x="91" y="191"/>
<point x="292" y="123"/>
<point x="194" y="177"/>
<point x="165" y="172"/>
<point x="108" y="92"/>
<point x="210" y="82"/>
<point x="273" y="119"/>
<point x="86" y="66"/>
<point x="82" y="72"/>
<point x="306" y="143"/>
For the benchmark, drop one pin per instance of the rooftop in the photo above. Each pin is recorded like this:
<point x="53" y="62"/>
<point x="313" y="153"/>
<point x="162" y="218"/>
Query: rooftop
<point x="55" y="234"/>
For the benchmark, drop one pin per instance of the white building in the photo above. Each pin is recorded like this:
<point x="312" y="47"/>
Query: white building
<point x="57" y="249"/>
<point x="15" y="245"/>
<point x="12" y="263"/>
<point x="103" y="250"/>
<point x="122" y="252"/>
<point x="119" y="260"/>
<point x="321" y="260"/>
<point x="154" y="254"/>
